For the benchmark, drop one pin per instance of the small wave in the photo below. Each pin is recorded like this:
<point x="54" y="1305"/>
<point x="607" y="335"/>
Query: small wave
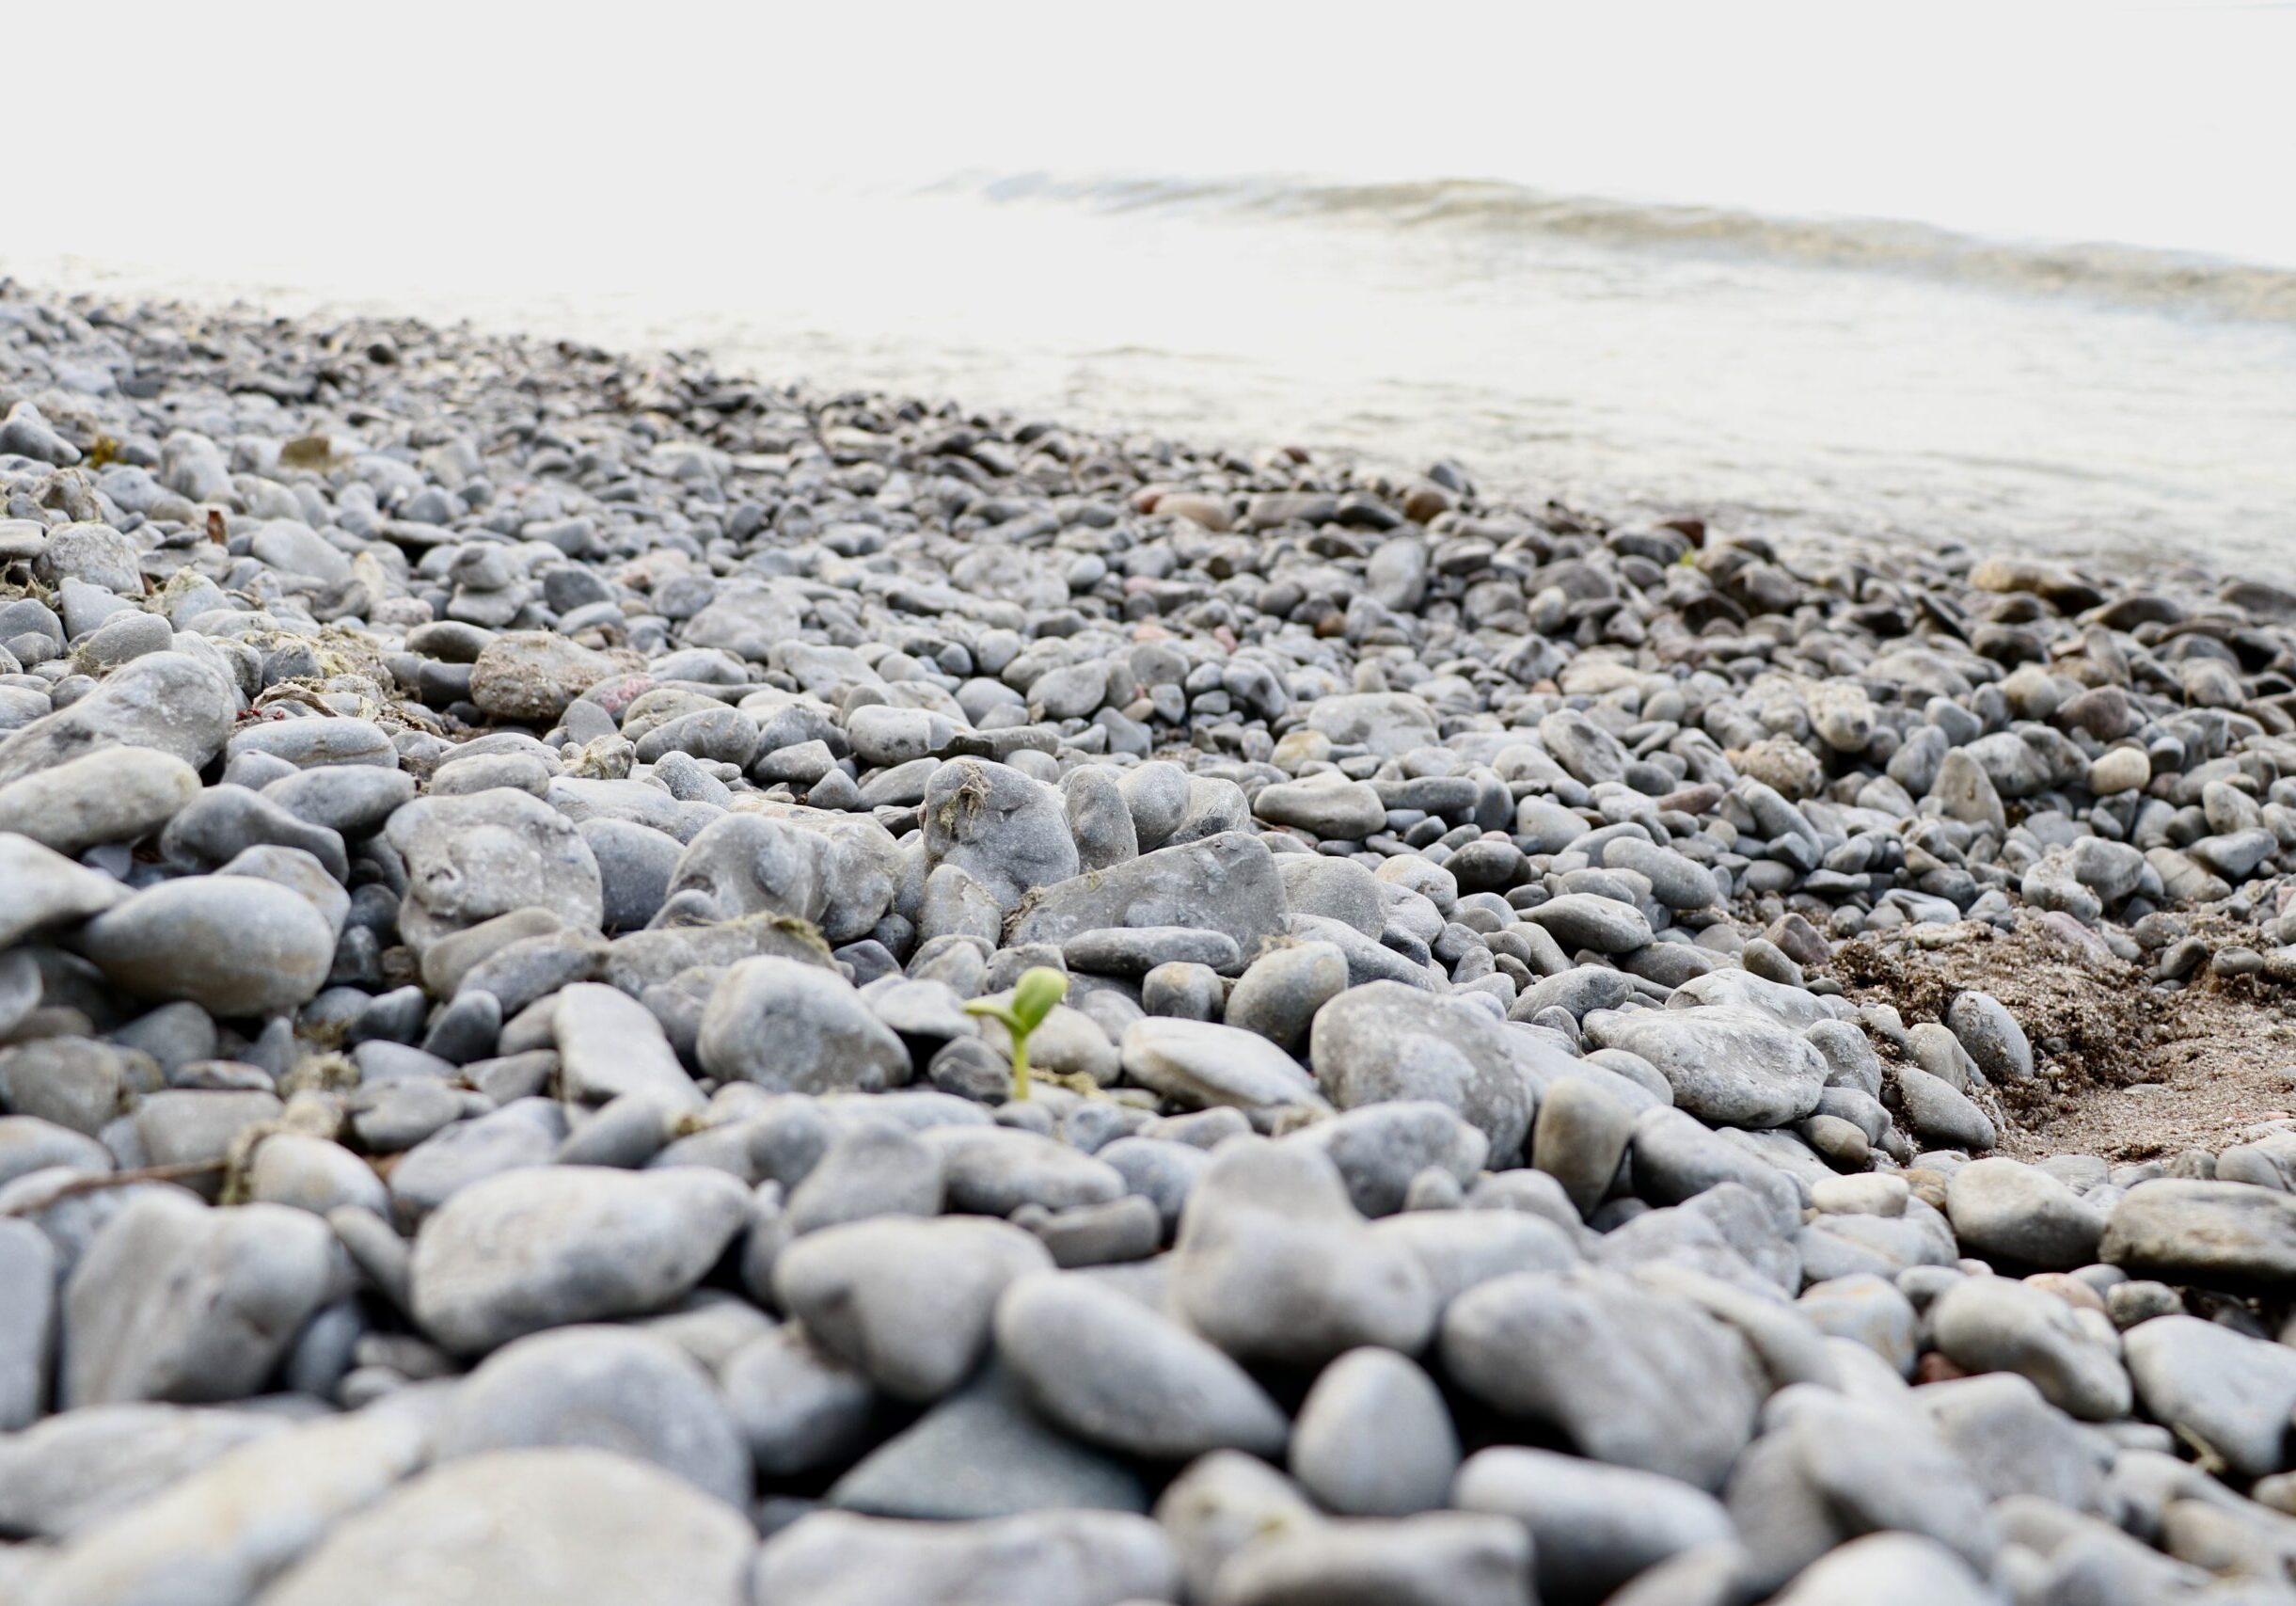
<point x="2130" y="275"/>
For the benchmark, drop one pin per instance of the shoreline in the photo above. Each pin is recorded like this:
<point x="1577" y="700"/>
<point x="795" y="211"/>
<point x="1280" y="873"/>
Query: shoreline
<point x="505" y="835"/>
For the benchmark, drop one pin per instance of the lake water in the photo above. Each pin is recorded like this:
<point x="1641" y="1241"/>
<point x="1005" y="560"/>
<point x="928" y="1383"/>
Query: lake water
<point x="2015" y="274"/>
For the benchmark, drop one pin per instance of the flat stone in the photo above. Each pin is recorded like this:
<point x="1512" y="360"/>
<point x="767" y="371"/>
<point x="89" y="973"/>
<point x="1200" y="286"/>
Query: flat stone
<point x="1584" y="920"/>
<point x="1199" y="1063"/>
<point x="577" y="1526"/>
<point x="1593" y="1527"/>
<point x="1446" y="1558"/>
<point x="1726" y="1066"/>
<point x="1384" y="1040"/>
<point x="796" y="1027"/>
<point x="550" y="1246"/>
<point x="2022" y="1215"/>
<point x="47" y="891"/>
<point x="1098" y="1366"/>
<point x="985" y="1452"/>
<point x="602" y="1388"/>
<point x="2232" y="1392"/>
<point x="178" y="1302"/>
<point x="610" y="1045"/>
<point x="1991" y="1324"/>
<point x="78" y="1467"/>
<point x="171" y="702"/>
<point x="1374" y="1438"/>
<point x="1273" y="1262"/>
<point x="218" y="1535"/>
<point x="2208" y="1233"/>
<point x="908" y="1302"/>
<point x="116" y="794"/>
<point x="1614" y="1368"/>
<point x="1054" y="1558"/>
<point x="1225" y="883"/>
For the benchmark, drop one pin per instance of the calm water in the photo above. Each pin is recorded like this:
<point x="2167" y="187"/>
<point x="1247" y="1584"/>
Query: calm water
<point x="2082" y="337"/>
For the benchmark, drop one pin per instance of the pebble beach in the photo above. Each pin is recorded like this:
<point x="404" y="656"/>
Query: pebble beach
<point x="627" y="983"/>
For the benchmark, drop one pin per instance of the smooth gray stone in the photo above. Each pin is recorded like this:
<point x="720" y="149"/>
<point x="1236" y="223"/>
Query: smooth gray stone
<point x="1326" y="805"/>
<point x="218" y="1535"/>
<point x="1158" y="1169"/>
<point x="1611" y="1366"/>
<point x="1390" y="723"/>
<point x="1220" y="1504"/>
<point x="315" y="1174"/>
<point x="1279" y="992"/>
<point x="1726" y="1066"/>
<point x="469" y="859"/>
<point x="1580" y="1138"/>
<point x="908" y="1302"/>
<point x="1097" y="1365"/>
<point x="1593" y="1527"/>
<point x="171" y="702"/>
<point x="1459" y="1250"/>
<point x="1867" y="1310"/>
<point x="1379" y="1147"/>
<point x="75" y="1468"/>
<point x="1100" y="820"/>
<point x="602" y="1388"/>
<point x="2210" y="1232"/>
<point x="994" y="1170"/>
<point x="985" y="1453"/>
<point x="234" y="945"/>
<point x="29" y="1144"/>
<point x="1052" y="1558"/>
<point x="114" y="794"/>
<point x="1199" y="1063"/>
<point x="2232" y="1392"/>
<point x="610" y="1045"/>
<point x="1273" y="1262"/>
<point x="1444" y="1558"/>
<point x="1935" y="1111"/>
<point x="28" y="1324"/>
<point x="1227" y="883"/>
<point x="21" y="987"/>
<point x="453" y="1154"/>
<point x="73" y="1081"/>
<point x="1137" y="950"/>
<point x="548" y="1245"/>
<point x="1007" y="831"/>
<point x="1333" y="889"/>
<point x="1374" y="1438"/>
<point x="1991" y="1324"/>
<point x="225" y="820"/>
<point x="1584" y="920"/>
<point x="1384" y="1040"/>
<point x="1832" y="1468"/>
<point x="635" y="866"/>
<point x="796" y="1027"/>
<point x="1991" y="1034"/>
<point x="177" y="1302"/>
<point x="797" y="1408"/>
<point x="1890" y="1569"/>
<point x="199" y="1126"/>
<point x="2004" y="1211"/>
<point x="47" y="891"/>
<point x="575" y="1525"/>
<point x="2018" y="1444"/>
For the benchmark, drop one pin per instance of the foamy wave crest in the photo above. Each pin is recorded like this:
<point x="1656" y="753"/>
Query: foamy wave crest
<point x="2127" y="274"/>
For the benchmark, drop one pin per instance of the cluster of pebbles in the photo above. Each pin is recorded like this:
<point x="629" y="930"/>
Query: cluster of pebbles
<point x="496" y="841"/>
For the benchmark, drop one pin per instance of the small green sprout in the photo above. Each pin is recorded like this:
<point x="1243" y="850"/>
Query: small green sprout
<point x="1032" y="999"/>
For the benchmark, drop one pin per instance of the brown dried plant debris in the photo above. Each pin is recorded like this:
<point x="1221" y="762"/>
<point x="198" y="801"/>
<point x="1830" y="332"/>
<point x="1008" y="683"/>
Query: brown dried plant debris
<point x="2127" y="1071"/>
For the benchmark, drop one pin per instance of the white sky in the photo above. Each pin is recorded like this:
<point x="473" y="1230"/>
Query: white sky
<point x="493" y="129"/>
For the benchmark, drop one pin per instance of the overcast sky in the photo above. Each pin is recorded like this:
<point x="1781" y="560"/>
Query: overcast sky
<point x="503" y="128"/>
